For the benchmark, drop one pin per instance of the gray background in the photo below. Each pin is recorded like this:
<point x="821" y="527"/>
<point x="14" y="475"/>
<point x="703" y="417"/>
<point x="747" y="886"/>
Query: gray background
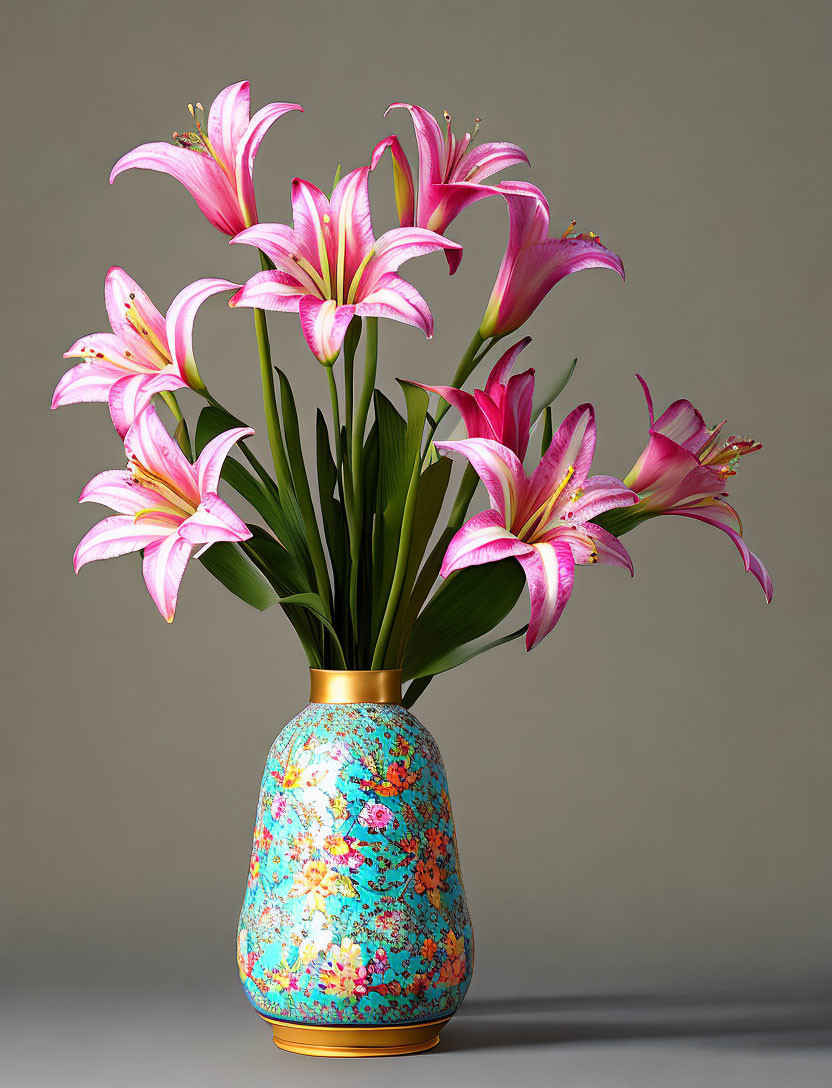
<point x="643" y="803"/>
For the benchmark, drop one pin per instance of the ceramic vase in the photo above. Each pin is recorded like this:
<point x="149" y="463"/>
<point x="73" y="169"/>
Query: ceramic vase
<point x="354" y="937"/>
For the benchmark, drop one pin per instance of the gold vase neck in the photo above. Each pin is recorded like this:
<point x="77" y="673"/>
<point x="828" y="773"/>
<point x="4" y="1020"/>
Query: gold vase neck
<point x="355" y="686"/>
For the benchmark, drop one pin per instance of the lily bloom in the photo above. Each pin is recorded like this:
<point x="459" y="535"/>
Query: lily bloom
<point x="544" y="521"/>
<point x="449" y="170"/>
<point x="165" y="505"/>
<point x="502" y="411"/>
<point x="216" y="165"/>
<point x="144" y="354"/>
<point x="683" y="470"/>
<point x="533" y="262"/>
<point x="330" y="267"/>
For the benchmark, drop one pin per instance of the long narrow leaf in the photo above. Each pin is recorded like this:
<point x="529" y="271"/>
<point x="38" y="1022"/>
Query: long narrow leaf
<point x="469" y="605"/>
<point x="459" y="655"/>
<point x="315" y="605"/>
<point x="228" y="565"/>
<point x="552" y="391"/>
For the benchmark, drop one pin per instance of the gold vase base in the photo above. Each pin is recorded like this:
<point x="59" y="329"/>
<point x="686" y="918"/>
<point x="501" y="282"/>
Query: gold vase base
<point x="356" y="1042"/>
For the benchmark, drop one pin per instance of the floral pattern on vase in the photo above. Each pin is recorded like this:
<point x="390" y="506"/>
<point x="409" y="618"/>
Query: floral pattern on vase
<point x="354" y="911"/>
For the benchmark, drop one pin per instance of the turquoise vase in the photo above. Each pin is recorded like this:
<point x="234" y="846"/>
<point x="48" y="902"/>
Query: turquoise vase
<point x="354" y="936"/>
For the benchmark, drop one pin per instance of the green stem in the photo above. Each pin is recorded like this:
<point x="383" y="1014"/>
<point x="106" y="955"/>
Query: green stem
<point x="243" y="444"/>
<point x="359" y="424"/>
<point x="400" y="569"/>
<point x="172" y="403"/>
<point x="467" y="365"/>
<point x="336" y="412"/>
<point x="281" y="463"/>
<point x="430" y="568"/>
<point x="303" y="494"/>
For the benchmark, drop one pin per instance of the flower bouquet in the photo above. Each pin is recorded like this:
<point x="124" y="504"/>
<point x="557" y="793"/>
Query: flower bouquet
<point x="354" y="935"/>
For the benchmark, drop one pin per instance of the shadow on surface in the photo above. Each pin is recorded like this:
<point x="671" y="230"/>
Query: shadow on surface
<point x="776" y="1023"/>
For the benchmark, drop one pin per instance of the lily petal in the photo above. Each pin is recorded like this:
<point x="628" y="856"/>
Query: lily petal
<point x="662" y="460"/>
<point x="484" y="160"/>
<point x="180" y="326"/>
<point x="271" y="290"/>
<point x="504" y="365"/>
<point x="429" y="140"/>
<point x="209" y="463"/>
<point x="402" y="179"/>
<point x="718" y="518"/>
<point x="213" y="521"/>
<point x="100" y="348"/>
<point x="324" y="326"/>
<point x="598" y="494"/>
<point x="85" y="383"/>
<point x="482" y="539"/>
<point x="138" y="325"/>
<point x="117" y="489"/>
<point x="395" y="298"/>
<point x="130" y="394"/>
<point x="499" y="468"/>
<point x="568" y="458"/>
<point x="149" y="444"/>
<point x="114" y="536"/>
<point x="465" y="404"/>
<point x="683" y="424"/>
<point x="201" y="175"/>
<point x="228" y="119"/>
<point x="550" y="573"/>
<point x="163" y="566"/>
<point x="608" y="548"/>
<point x="401" y="244"/>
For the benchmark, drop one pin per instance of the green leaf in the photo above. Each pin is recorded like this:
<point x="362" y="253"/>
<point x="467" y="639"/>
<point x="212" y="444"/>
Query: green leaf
<point x="228" y="565"/>
<point x="460" y="654"/>
<point x="466" y="606"/>
<point x="393" y="472"/>
<point x="546" y="438"/>
<point x="212" y="421"/>
<point x="417" y="406"/>
<point x="294" y="449"/>
<point x="433" y="486"/>
<point x="417" y="400"/>
<point x="182" y="439"/>
<point x="315" y="605"/>
<point x="333" y="515"/>
<point x="551" y="392"/>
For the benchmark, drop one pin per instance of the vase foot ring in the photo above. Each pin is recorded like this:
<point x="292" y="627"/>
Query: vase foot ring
<point x="356" y="1042"/>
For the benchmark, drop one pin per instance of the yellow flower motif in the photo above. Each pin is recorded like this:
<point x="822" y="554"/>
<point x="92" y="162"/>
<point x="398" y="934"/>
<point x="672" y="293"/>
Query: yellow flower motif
<point x="336" y="845"/>
<point x="316" y="881"/>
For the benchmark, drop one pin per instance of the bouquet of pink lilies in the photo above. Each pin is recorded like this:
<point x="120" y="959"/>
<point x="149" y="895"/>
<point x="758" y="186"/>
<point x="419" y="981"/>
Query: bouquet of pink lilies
<point x="383" y="570"/>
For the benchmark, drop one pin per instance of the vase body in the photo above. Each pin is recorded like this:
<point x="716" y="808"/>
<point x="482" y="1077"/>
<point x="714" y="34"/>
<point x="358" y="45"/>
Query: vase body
<point x="354" y="935"/>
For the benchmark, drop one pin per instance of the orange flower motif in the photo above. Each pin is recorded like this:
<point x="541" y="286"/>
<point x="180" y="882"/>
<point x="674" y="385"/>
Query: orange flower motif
<point x="454" y="946"/>
<point x="409" y="845"/>
<point x="452" y="971"/>
<point x="437" y="841"/>
<point x="429" y="948"/>
<point x="428" y="875"/>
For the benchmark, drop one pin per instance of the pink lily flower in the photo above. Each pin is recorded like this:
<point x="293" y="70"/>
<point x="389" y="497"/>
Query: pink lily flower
<point x="683" y="470"/>
<point x="533" y="262"/>
<point x="165" y="505"/>
<point x="544" y="521"/>
<point x="330" y="267"/>
<point x="215" y="166"/>
<point x="502" y="412"/>
<point x="449" y="170"/>
<point x="144" y="354"/>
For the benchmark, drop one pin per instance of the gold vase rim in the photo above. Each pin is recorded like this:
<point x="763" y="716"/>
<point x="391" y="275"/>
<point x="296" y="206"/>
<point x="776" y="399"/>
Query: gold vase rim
<point x="355" y="686"/>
